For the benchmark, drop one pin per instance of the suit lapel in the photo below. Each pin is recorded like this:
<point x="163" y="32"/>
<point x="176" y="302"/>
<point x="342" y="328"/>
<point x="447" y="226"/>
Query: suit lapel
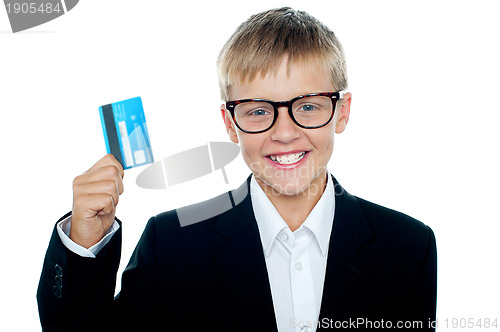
<point x="347" y="270"/>
<point x="242" y="266"/>
<point x="241" y="262"/>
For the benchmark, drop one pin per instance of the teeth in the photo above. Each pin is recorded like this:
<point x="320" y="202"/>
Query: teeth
<point x="288" y="158"/>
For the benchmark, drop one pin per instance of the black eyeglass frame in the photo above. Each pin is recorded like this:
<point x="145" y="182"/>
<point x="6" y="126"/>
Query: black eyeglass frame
<point x="334" y="97"/>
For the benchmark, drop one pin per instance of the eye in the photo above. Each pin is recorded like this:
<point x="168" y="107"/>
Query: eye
<point x="308" y="108"/>
<point x="258" y="112"/>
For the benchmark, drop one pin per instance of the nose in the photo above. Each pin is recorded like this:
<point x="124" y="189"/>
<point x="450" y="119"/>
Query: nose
<point x="284" y="129"/>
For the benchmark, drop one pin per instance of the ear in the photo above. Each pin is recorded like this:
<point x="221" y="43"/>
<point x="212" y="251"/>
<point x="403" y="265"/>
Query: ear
<point x="228" y="122"/>
<point x="344" y="110"/>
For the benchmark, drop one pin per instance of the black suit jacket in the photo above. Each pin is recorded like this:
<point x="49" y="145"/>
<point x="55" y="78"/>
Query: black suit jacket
<point x="381" y="270"/>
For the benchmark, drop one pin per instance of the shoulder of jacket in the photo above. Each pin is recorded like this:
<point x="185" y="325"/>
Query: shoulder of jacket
<point x="382" y="217"/>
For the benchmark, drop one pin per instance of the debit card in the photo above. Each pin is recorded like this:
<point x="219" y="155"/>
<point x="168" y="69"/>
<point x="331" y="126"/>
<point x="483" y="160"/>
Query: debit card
<point x="125" y="132"/>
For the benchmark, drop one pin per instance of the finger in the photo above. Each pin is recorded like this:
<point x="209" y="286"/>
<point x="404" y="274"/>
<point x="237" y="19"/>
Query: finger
<point x="105" y="210"/>
<point x="109" y="187"/>
<point x="92" y="205"/>
<point x="101" y="174"/>
<point x="105" y="173"/>
<point x="107" y="160"/>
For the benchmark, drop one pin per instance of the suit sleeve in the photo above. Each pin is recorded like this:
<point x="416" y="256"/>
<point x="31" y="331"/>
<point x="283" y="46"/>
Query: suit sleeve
<point x="426" y="290"/>
<point x="77" y="293"/>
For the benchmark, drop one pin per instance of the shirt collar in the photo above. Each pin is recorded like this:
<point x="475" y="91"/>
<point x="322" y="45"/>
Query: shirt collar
<point x="270" y="223"/>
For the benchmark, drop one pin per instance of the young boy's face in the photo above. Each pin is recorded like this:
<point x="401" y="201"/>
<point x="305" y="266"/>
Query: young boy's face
<point x="308" y="175"/>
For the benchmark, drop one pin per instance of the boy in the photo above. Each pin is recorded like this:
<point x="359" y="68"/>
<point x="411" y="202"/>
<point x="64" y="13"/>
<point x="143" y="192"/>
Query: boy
<point x="296" y="253"/>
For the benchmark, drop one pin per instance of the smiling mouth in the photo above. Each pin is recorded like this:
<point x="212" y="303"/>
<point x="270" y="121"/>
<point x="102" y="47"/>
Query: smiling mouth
<point x="286" y="159"/>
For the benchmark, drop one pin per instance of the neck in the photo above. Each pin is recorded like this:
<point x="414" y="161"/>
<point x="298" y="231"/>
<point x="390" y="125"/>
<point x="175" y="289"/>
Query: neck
<point x="294" y="209"/>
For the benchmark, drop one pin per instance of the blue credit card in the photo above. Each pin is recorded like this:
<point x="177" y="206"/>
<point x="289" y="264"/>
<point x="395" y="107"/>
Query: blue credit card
<point x="125" y="132"/>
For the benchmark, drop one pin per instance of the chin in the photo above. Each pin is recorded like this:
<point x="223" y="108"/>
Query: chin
<point x="287" y="187"/>
<point x="288" y="182"/>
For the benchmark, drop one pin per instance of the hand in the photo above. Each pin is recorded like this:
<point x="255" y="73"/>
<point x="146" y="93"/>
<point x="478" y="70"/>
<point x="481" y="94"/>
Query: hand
<point x="95" y="196"/>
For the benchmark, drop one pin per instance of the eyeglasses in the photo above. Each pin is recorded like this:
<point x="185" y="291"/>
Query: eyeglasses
<point x="314" y="110"/>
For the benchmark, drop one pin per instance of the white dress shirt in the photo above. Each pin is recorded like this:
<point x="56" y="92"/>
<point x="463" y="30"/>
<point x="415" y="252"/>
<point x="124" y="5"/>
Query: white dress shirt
<point x="63" y="228"/>
<point x="296" y="261"/>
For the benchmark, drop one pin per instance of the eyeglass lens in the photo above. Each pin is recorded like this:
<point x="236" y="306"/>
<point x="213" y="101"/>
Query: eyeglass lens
<point x="309" y="111"/>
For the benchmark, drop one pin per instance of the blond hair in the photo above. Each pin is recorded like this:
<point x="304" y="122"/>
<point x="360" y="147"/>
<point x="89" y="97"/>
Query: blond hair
<point x="259" y="44"/>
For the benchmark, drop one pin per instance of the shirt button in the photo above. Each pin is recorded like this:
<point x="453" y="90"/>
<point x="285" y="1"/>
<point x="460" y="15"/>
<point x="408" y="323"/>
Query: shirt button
<point x="284" y="237"/>
<point x="299" y="266"/>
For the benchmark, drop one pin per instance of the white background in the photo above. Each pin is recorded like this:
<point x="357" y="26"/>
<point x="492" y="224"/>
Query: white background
<point x="423" y="135"/>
